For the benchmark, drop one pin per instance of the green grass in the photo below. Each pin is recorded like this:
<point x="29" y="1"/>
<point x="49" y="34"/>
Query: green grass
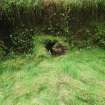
<point x="77" y="78"/>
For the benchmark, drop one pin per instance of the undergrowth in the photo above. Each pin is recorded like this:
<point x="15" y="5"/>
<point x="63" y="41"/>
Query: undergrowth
<point x="69" y="18"/>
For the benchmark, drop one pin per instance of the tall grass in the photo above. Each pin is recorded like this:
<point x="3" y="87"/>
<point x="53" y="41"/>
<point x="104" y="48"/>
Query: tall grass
<point x="31" y="12"/>
<point x="20" y="12"/>
<point x="73" y="79"/>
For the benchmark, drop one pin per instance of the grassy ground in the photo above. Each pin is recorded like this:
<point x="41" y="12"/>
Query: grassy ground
<point x="77" y="78"/>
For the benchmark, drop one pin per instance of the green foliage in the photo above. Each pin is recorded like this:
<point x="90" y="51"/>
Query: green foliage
<point x="62" y="18"/>
<point x="22" y="40"/>
<point x="15" y="11"/>
<point x="54" y="12"/>
<point x="100" y="35"/>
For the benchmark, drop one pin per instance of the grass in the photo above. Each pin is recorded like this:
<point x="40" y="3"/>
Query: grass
<point x="77" y="78"/>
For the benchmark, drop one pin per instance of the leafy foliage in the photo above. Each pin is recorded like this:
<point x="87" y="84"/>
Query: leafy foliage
<point x="100" y="35"/>
<point x="22" y="40"/>
<point x="62" y="18"/>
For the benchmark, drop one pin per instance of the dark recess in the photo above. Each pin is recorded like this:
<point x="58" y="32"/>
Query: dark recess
<point x="5" y="32"/>
<point x="49" y="45"/>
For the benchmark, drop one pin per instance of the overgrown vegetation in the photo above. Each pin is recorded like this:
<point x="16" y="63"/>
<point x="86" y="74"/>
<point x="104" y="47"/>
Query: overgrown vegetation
<point x="70" y="18"/>
<point x="40" y="79"/>
<point x="22" y="40"/>
<point x="37" y="78"/>
<point x="100" y="35"/>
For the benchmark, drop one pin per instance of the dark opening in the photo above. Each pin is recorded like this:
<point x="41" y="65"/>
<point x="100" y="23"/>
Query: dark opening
<point x="49" y="45"/>
<point x="5" y="36"/>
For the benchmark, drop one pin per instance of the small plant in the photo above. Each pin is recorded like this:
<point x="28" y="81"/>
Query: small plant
<point x="22" y="40"/>
<point x="100" y="35"/>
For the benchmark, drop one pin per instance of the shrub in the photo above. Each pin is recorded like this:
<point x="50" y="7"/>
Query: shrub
<point x="100" y="35"/>
<point x="22" y="40"/>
